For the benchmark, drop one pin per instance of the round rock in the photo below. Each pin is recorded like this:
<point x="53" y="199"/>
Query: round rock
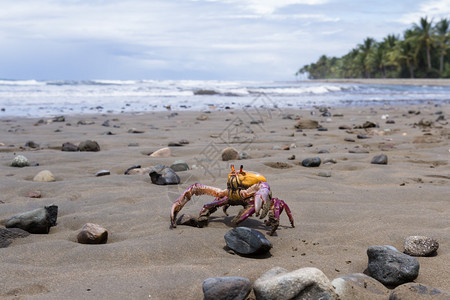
<point x="391" y="267"/>
<point x="247" y="241"/>
<point x="226" y="288"/>
<point x="36" y="221"/>
<point x="381" y="159"/>
<point x="417" y="291"/>
<point x="230" y="153"/>
<point x="359" y="286"/>
<point x="20" y="161"/>
<point x="179" y="166"/>
<point x="69" y="147"/>
<point x="44" y="176"/>
<point x="420" y="246"/>
<point x="311" y="162"/>
<point x="92" y="234"/>
<point x="162" y="175"/>
<point x="89" y="145"/>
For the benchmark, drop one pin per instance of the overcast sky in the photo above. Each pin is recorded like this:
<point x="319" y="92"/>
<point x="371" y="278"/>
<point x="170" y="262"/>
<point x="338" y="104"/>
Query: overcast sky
<point x="191" y="39"/>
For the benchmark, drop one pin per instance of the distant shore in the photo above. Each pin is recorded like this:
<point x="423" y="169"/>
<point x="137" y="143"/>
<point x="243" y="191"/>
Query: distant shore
<point x="391" y="81"/>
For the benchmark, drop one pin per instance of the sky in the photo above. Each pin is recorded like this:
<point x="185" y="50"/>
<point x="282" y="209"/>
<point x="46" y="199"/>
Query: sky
<point x="191" y="39"/>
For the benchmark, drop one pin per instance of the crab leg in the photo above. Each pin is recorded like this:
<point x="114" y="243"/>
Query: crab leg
<point x="244" y="214"/>
<point x="195" y="189"/>
<point x="261" y="192"/>
<point x="218" y="202"/>
<point x="283" y="205"/>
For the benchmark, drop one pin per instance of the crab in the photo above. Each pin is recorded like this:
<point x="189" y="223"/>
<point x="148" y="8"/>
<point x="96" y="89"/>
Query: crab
<point x="246" y="188"/>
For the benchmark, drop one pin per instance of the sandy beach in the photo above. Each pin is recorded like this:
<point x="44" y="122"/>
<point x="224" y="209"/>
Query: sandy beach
<point x="337" y="217"/>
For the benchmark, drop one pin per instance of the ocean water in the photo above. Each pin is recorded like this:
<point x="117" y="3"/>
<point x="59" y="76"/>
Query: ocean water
<point x="32" y="98"/>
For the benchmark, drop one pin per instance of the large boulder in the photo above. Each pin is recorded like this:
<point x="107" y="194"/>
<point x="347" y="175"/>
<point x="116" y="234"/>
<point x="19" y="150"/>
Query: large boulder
<point x="36" y="221"/>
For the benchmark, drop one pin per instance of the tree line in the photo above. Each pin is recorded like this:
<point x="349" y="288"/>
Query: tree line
<point x="422" y="52"/>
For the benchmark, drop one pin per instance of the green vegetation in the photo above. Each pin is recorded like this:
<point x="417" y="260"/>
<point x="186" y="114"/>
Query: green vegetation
<point x="422" y="52"/>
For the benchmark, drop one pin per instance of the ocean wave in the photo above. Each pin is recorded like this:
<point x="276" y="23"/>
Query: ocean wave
<point x="21" y="82"/>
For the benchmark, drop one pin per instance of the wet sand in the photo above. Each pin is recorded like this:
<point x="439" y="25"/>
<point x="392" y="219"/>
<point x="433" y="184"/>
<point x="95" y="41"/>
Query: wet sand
<point x="337" y="218"/>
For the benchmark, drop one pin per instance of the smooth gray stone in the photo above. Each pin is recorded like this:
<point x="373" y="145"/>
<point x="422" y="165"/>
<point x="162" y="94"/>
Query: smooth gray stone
<point x="226" y="288"/>
<point x="36" y="221"/>
<point x="244" y="240"/>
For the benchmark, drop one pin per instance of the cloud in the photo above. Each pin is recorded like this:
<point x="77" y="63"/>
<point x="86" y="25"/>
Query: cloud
<point x="433" y="9"/>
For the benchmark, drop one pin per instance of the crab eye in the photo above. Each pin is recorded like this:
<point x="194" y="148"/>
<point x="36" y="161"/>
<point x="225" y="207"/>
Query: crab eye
<point x="241" y="171"/>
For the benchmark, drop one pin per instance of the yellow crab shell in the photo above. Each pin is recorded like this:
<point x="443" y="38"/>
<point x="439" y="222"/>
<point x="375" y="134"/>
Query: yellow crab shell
<point x="243" y="179"/>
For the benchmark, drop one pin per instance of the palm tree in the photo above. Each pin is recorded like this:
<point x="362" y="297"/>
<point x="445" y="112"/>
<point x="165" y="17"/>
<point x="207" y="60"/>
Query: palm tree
<point x="365" y="48"/>
<point x="443" y="38"/>
<point x="423" y="34"/>
<point x="404" y="54"/>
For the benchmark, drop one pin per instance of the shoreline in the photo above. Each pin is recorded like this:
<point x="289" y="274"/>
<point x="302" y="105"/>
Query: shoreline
<point x="390" y="81"/>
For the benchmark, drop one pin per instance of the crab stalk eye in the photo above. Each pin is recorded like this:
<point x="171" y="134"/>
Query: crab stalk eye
<point x="232" y="168"/>
<point x="240" y="171"/>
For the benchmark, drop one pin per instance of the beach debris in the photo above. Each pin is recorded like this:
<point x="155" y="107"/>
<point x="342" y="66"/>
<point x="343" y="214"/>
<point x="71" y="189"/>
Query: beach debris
<point x="34" y="194"/>
<point x="420" y="246"/>
<point x="102" y="173"/>
<point x="391" y="267"/>
<point x="69" y="147"/>
<point x="307" y="124"/>
<point x="304" y="283"/>
<point x="9" y="234"/>
<point x="92" y="234"/>
<point x="179" y="166"/>
<point x="311" y="162"/>
<point x="89" y="145"/>
<point x="414" y="290"/>
<point x="163" y="152"/>
<point x="44" y="176"/>
<point x="163" y="175"/>
<point x="359" y="286"/>
<point x="381" y="159"/>
<point x="36" y="221"/>
<point x="20" y="161"/>
<point x="226" y="288"/>
<point x="230" y="153"/>
<point x="247" y="241"/>
<point x="245" y="188"/>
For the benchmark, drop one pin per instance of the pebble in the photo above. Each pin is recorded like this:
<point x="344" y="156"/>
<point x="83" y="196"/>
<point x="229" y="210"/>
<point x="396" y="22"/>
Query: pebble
<point x="417" y="291"/>
<point x="362" y="136"/>
<point x="247" y="241"/>
<point x="134" y="130"/>
<point x="44" y="176"/>
<point x="420" y="246"/>
<point x="179" y="166"/>
<point x="226" y="288"/>
<point x="324" y="174"/>
<point x="174" y="144"/>
<point x="163" y="152"/>
<point x="390" y="121"/>
<point x="59" y="119"/>
<point x="381" y="159"/>
<point x="34" y="194"/>
<point x="322" y="129"/>
<point x="183" y="142"/>
<point x="89" y="145"/>
<point x="330" y="161"/>
<point x="102" y="173"/>
<point x="359" y="286"/>
<point x="69" y="147"/>
<point x="20" y="161"/>
<point x="391" y="267"/>
<point x="230" y="153"/>
<point x="311" y="162"/>
<point x="92" y="234"/>
<point x="9" y="234"/>
<point x="305" y="283"/>
<point x="31" y="144"/>
<point x="163" y="175"/>
<point x="292" y="157"/>
<point x="345" y="127"/>
<point x="358" y="151"/>
<point x="202" y="117"/>
<point x="323" y="151"/>
<point x="85" y="122"/>
<point x="349" y="140"/>
<point x="36" y="221"/>
<point x="307" y="124"/>
<point x="243" y="155"/>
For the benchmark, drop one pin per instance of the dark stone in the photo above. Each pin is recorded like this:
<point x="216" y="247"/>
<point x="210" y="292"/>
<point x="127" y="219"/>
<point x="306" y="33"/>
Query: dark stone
<point x="362" y="136"/>
<point x="226" y="288"/>
<point x="369" y="124"/>
<point x="247" y="241"/>
<point x="132" y="168"/>
<point x="183" y="142"/>
<point x="349" y="140"/>
<point x="36" y="221"/>
<point x="381" y="159"/>
<point x="358" y="151"/>
<point x="89" y="145"/>
<point x="59" y="119"/>
<point x="322" y="129"/>
<point x="31" y="144"/>
<point x="311" y="162"/>
<point x="92" y="234"/>
<point x="307" y="124"/>
<point x="391" y="267"/>
<point x="323" y="151"/>
<point x="345" y="127"/>
<point x="9" y="234"/>
<point x="390" y="121"/>
<point x="69" y="147"/>
<point x="417" y="291"/>
<point x="174" y="144"/>
<point x="106" y="123"/>
<point x="162" y="175"/>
